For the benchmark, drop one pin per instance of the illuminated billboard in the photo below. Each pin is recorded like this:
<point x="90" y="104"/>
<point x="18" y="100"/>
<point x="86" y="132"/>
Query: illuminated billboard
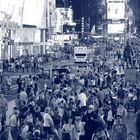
<point x="116" y="28"/>
<point x="28" y="12"/>
<point x="34" y="13"/>
<point x="116" y="10"/>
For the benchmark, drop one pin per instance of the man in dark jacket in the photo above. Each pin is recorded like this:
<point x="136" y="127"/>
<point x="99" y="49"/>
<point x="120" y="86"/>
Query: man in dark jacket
<point x="127" y="54"/>
<point x="92" y="122"/>
<point x="19" y="83"/>
<point x="121" y="94"/>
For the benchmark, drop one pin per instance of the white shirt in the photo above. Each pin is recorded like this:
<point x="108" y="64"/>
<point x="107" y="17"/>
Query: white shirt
<point x="110" y="116"/>
<point x="23" y="96"/>
<point x="24" y="132"/>
<point x="83" y="99"/>
<point x="13" y="120"/>
<point x="29" y="118"/>
<point x="82" y="130"/>
<point x="48" y="121"/>
<point x="82" y="81"/>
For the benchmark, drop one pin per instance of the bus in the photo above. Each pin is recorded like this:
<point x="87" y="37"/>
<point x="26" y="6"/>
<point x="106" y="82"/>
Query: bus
<point x="80" y="54"/>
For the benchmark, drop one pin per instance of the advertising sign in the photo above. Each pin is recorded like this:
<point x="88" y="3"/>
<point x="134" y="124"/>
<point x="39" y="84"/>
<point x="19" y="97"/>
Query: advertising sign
<point x="34" y="13"/>
<point x="115" y="10"/>
<point x="116" y="28"/>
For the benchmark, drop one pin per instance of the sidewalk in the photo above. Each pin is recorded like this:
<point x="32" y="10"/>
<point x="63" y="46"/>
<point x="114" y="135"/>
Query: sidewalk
<point x="46" y="66"/>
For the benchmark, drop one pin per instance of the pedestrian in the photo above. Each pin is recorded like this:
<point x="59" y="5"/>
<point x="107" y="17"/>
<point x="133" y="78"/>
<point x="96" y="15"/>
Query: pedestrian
<point x="9" y="82"/>
<point x="48" y="124"/>
<point x="82" y="101"/>
<point x="131" y="136"/>
<point x="14" y="125"/>
<point x="19" y="83"/>
<point x="122" y="111"/>
<point x="23" y="96"/>
<point x="3" y="108"/>
<point x="121" y="94"/>
<point x="68" y="130"/>
<point x="92" y="122"/>
<point x="119" y="129"/>
<point x="127" y="54"/>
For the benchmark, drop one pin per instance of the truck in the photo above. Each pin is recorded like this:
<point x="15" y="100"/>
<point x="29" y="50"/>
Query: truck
<point x="80" y="54"/>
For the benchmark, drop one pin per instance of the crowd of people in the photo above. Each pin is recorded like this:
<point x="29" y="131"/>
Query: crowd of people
<point x="31" y="63"/>
<point x="24" y="64"/>
<point x="91" y="104"/>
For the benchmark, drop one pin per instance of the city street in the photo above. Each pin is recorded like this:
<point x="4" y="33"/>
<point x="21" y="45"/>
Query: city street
<point x="70" y="70"/>
<point x="13" y="95"/>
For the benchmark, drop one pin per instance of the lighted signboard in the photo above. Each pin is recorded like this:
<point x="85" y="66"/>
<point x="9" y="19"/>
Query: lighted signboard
<point x="28" y="12"/>
<point x="116" y="10"/>
<point x="34" y="13"/>
<point x="116" y="28"/>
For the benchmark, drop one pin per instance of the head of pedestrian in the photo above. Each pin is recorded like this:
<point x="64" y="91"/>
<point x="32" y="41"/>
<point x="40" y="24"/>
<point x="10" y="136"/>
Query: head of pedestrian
<point x="47" y="110"/>
<point x="15" y="110"/>
<point x="91" y="109"/>
<point x="78" y="117"/>
<point x="118" y="119"/>
<point x="36" y="133"/>
<point x="131" y="136"/>
<point x="1" y="96"/>
<point x="70" y="121"/>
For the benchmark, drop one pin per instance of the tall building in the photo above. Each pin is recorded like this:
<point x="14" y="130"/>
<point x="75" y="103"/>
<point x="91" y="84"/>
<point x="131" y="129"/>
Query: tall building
<point x="28" y="14"/>
<point x="93" y="13"/>
<point x="77" y="14"/>
<point x="86" y="14"/>
<point x="63" y="3"/>
<point x="136" y="10"/>
<point x="81" y="15"/>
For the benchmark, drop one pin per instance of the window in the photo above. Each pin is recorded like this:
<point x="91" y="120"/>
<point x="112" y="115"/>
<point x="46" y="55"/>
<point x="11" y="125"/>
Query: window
<point x="80" y="54"/>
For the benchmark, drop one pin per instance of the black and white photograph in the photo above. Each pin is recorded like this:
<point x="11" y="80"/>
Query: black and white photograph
<point x="69" y="69"/>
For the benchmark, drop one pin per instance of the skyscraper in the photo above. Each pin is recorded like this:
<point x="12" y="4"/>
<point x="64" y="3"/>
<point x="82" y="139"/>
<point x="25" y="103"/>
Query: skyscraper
<point x="136" y="9"/>
<point x="62" y="3"/>
<point x="81" y="15"/>
<point x="77" y="14"/>
<point x="86" y="14"/>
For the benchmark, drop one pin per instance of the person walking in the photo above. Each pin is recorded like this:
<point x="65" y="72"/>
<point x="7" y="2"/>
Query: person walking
<point x="13" y="123"/>
<point x="3" y="108"/>
<point x="119" y="130"/>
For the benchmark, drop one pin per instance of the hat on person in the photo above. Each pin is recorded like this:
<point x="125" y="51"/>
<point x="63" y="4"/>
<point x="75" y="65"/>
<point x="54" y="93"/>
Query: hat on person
<point x="118" y="116"/>
<point x="47" y="109"/>
<point x="91" y="107"/>
<point x="65" y="89"/>
<point x="36" y="133"/>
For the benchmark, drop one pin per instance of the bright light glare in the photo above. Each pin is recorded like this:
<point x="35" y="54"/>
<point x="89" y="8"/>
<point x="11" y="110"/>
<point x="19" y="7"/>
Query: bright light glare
<point x="116" y="10"/>
<point x="116" y="28"/>
<point x="34" y="12"/>
<point x="29" y="12"/>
